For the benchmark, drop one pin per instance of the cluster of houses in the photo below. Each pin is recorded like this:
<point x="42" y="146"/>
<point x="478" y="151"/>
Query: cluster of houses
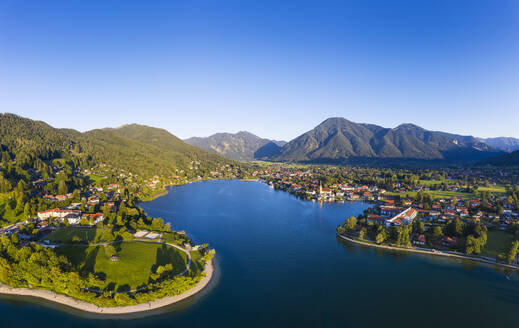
<point x="41" y="223"/>
<point x="71" y="216"/>
<point x="335" y="192"/>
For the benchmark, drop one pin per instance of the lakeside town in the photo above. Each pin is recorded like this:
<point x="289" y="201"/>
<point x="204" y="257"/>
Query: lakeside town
<point x="462" y="210"/>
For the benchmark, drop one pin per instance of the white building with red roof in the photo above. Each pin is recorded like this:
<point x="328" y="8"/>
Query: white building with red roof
<point x="72" y="216"/>
<point x="402" y="218"/>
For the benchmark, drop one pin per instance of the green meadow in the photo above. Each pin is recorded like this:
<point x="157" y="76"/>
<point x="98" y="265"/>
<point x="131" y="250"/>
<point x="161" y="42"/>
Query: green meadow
<point x="136" y="262"/>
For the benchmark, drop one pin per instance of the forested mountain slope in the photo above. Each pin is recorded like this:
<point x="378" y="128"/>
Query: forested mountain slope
<point x="338" y="138"/>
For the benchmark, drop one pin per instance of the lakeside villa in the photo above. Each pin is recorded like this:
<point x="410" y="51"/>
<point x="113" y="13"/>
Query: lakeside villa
<point x="388" y="217"/>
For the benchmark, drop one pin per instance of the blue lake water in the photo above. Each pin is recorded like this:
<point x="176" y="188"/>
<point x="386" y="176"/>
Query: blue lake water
<point x="279" y="264"/>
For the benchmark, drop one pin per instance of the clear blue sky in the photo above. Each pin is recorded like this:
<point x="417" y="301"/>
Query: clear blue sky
<point x="275" y="68"/>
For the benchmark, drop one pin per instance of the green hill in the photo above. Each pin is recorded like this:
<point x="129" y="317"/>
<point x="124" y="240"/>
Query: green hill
<point x="139" y="149"/>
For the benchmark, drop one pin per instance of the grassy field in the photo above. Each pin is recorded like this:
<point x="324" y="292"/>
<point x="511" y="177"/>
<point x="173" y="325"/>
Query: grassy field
<point x="494" y="189"/>
<point x="136" y="262"/>
<point x="435" y="182"/>
<point x="436" y="194"/>
<point x="450" y="194"/>
<point x="97" y="179"/>
<point x="196" y="265"/>
<point x="84" y="235"/>
<point x="498" y="242"/>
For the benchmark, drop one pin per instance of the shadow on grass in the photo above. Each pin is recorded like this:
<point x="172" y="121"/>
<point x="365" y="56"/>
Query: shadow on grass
<point x="117" y="243"/>
<point x="166" y="255"/>
<point x="90" y="260"/>
<point x="123" y="288"/>
<point x="110" y="287"/>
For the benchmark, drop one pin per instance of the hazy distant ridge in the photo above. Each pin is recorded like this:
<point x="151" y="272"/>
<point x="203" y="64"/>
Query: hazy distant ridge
<point x="243" y="145"/>
<point x="507" y="144"/>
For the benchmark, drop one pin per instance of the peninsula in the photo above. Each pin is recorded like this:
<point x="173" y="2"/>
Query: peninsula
<point x="71" y="229"/>
<point x="91" y="308"/>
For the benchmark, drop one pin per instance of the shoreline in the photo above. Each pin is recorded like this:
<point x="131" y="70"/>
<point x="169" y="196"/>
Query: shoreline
<point x="425" y="251"/>
<point x="129" y="309"/>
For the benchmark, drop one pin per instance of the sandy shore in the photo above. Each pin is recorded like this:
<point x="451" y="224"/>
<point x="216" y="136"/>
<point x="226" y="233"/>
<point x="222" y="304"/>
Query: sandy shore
<point x="87" y="307"/>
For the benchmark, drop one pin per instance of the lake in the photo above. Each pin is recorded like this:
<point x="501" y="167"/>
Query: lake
<point x="280" y="264"/>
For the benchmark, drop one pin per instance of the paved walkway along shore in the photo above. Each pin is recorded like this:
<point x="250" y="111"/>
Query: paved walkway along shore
<point x="429" y="252"/>
<point x="88" y="307"/>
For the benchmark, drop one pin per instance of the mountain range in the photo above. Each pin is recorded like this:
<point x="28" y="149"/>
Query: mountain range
<point x="502" y="143"/>
<point x="339" y="140"/>
<point x="243" y="146"/>
<point x="146" y="150"/>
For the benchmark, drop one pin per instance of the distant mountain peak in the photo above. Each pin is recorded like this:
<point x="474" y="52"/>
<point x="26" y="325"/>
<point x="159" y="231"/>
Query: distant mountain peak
<point x="507" y="144"/>
<point x="334" y="120"/>
<point x="409" y="126"/>
<point x="242" y="145"/>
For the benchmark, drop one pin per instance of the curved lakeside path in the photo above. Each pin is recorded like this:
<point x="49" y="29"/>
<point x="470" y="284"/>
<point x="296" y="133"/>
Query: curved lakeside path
<point x="428" y="252"/>
<point x="89" y="307"/>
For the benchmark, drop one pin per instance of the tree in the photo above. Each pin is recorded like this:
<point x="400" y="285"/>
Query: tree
<point x="418" y="225"/>
<point x="381" y="236"/>
<point x="157" y="224"/>
<point x="62" y="187"/>
<point x="406" y="236"/>
<point x="350" y="223"/>
<point x="475" y="245"/>
<point x="512" y="252"/>
<point x="76" y="196"/>
<point x="21" y="186"/>
<point x="437" y="232"/>
<point x="455" y="227"/>
<point x="362" y="233"/>
<point x="106" y="210"/>
<point x="5" y="185"/>
<point x="27" y="210"/>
